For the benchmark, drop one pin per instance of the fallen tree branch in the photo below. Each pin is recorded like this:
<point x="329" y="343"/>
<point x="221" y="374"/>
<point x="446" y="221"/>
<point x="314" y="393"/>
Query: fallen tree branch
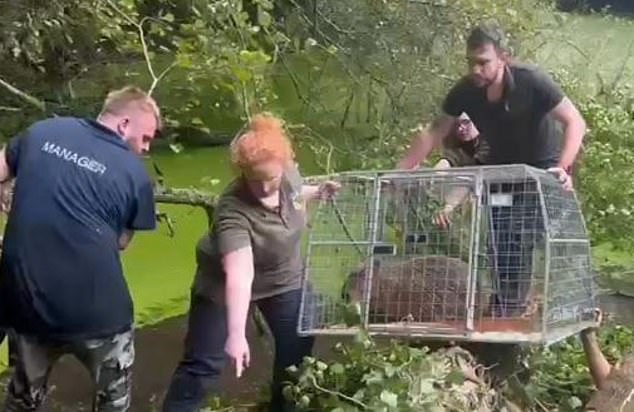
<point x="33" y="101"/>
<point x="189" y="197"/>
<point x="10" y="109"/>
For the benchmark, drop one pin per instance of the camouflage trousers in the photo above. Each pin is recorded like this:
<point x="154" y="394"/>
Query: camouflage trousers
<point x="109" y="361"/>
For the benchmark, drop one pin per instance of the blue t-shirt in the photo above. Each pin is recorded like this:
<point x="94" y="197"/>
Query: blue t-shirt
<point x="78" y="187"/>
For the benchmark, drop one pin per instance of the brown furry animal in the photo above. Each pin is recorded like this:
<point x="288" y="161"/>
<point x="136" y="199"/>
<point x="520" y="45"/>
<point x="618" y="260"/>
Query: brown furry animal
<point x="420" y="289"/>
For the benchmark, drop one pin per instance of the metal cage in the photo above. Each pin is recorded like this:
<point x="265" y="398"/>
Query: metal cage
<point x="513" y="265"/>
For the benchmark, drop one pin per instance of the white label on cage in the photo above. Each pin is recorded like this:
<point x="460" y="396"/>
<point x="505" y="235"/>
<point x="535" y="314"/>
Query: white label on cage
<point x="501" y="199"/>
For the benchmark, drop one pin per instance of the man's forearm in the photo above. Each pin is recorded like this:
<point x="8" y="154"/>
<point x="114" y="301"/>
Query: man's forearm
<point x="573" y="137"/>
<point x="456" y="196"/>
<point x="421" y="147"/>
<point x="599" y="367"/>
<point x="425" y="140"/>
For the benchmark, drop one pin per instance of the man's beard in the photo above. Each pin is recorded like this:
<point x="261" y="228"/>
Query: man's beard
<point x="482" y="82"/>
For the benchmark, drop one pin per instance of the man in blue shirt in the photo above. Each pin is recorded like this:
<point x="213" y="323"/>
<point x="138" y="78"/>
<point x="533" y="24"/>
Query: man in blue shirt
<point x="81" y="190"/>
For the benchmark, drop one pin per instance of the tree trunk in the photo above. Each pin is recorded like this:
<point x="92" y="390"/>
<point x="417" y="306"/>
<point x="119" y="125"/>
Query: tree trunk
<point x="618" y="394"/>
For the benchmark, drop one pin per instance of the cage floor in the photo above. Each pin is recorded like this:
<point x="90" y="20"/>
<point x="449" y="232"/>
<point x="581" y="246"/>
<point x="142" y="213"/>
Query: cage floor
<point x="487" y="325"/>
<point x="505" y="325"/>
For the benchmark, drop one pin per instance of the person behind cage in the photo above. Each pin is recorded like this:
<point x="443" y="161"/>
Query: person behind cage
<point x="518" y="107"/>
<point x="464" y="146"/>
<point x="81" y="190"/>
<point x="250" y="255"/>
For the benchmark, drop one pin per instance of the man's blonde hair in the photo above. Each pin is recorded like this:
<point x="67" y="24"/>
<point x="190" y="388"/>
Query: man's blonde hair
<point x="119" y="101"/>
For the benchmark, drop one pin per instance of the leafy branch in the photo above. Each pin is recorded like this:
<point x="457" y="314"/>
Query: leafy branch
<point x="144" y="46"/>
<point x="33" y="101"/>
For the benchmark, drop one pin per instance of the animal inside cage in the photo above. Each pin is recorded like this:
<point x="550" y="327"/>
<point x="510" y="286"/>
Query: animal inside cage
<point x="492" y="253"/>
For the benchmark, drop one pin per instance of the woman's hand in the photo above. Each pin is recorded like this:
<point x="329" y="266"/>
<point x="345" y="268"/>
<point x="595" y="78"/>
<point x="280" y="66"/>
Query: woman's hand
<point x="591" y="331"/>
<point x="443" y="218"/>
<point x="237" y="348"/>
<point x="328" y="189"/>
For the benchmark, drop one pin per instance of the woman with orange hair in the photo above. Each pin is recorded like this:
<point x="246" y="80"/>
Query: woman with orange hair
<point x="251" y="254"/>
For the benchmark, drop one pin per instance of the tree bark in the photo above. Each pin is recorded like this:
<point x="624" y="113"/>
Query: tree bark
<point x="618" y="393"/>
<point x="189" y="197"/>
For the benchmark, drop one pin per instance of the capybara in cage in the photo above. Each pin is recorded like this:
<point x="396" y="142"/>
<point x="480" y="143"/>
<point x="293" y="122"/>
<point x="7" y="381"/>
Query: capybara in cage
<point x="420" y="289"/>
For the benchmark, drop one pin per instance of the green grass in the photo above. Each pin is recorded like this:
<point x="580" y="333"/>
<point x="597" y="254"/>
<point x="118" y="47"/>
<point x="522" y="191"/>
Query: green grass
<point x="591" y="45"/>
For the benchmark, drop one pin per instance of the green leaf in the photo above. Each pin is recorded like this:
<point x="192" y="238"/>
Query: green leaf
<point x="389" y="398"/>
<point x="337" y="369"/>
<point x="575" y="403"/>
<point x="310" y="42"/>
<point x="304" y="401"/>
<point x="374" y="378"/>
<point x="176" y="147"/>
<point x="242" y="75"/>
<point x="426" y="386"/>
<point x="332" y="49"/>
<point x="169" y="17"/>
<point x="264" y="18"/>
<point x="455" y="377"/>
<point x="352" y="314"/>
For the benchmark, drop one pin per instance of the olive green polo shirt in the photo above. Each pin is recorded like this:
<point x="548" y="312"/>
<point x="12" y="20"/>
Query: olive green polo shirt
<point x="461" y="153"/>
<point x="240" y="220"/>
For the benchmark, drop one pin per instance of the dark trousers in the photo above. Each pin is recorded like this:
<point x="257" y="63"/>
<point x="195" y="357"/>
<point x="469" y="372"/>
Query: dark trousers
<point x="199" y="371"/>
<point x="514" y="231"/>
<point x="109" y="361"/>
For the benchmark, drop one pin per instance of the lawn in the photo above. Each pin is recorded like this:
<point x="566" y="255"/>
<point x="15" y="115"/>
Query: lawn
<point x="591" y="47"/>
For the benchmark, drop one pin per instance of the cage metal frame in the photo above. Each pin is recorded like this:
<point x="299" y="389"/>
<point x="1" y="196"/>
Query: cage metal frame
<point x="545" y="336"/>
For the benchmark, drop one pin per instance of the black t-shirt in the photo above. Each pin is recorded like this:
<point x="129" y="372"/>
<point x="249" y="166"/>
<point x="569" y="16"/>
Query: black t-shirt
<point x="519" y="128"/>
<point x="77" y="187"/>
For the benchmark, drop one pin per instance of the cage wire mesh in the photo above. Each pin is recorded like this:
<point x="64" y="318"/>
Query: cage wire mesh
<point x="513" y="265"/>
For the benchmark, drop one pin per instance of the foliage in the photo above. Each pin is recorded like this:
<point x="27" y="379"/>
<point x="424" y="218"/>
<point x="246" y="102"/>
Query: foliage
<point x="55" y="37"/>
<point x="356" y="98"/>
<point x="214" y="57"/>
<point x="604" y="170"/>
<point x="561" y="379"/>
<point x="368" y="375"/>
<point x="394" y="377"/>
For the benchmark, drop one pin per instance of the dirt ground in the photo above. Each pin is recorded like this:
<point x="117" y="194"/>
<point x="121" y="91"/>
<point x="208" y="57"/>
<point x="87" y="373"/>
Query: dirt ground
<point x="158" y="350"/>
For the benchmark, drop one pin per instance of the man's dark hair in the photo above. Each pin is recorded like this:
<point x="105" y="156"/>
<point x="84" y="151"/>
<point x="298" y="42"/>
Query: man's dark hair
<point x="488" y="33"/>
